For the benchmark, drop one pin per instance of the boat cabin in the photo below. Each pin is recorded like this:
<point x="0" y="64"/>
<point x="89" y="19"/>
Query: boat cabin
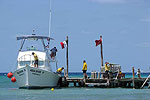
<point x="25" y="56"/>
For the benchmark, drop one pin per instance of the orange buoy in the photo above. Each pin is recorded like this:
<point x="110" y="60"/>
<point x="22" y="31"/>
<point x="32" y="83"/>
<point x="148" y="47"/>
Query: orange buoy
<point x="10" y="74"/>
<point x="13" y="79"/>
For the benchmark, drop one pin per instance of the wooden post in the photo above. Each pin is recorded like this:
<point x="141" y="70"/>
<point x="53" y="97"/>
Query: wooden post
<point x="67" y="55"/>
<point x="64" y="72"/>
<point x="101" y="49"/>
<point x="133" y="77"/>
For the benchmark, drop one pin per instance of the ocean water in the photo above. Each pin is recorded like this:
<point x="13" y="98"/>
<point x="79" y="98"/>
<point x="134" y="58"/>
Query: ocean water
<point x="10" y="91"/>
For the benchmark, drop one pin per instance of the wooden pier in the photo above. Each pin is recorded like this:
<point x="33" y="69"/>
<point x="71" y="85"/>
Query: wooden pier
<point x="111" y="76"/>
<point x="106" y="80"/>
<point x="103" y="83"/>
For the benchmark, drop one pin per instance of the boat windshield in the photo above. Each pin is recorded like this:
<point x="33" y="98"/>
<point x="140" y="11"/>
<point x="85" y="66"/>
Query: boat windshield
<point x="31" y="63"/>
<point x="34" y="42"/>
<point x="36" y="45"/>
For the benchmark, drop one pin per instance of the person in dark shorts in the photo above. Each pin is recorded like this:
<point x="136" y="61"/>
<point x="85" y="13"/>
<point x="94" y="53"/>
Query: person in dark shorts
<point x="84" y="69"/>
<point x="35" y="59"/>
<point x="107" y="68"/>
<point x="53" y="52"/>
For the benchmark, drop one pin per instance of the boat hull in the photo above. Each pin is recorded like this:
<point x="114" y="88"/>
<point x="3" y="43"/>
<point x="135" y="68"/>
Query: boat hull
<point x="30" y="77"/>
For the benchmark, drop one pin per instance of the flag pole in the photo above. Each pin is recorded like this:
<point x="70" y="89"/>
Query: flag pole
<point x="101" y="51"/>
<point x="50" y="18"/>
<point x="67" y="54"/>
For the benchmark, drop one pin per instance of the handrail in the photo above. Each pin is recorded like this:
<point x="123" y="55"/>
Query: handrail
<point x="145" y="81"/>
<point x="30" y="57"/>
<point x="22" y="58"/>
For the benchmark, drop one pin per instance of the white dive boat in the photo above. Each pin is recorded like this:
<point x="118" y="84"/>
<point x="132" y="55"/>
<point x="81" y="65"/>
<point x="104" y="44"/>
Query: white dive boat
<point x="28" y="76"/>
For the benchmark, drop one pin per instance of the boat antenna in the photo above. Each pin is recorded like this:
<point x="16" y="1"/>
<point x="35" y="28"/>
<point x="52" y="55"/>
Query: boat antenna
<point x="50" y="19"/>
<point x="33" y="32"/>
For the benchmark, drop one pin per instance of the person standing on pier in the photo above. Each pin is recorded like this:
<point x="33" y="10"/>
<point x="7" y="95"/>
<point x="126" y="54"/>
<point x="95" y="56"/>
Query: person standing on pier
<point x="84" y="69"/>
<point x="138" y="73"/>
<point x="106" y="69"/>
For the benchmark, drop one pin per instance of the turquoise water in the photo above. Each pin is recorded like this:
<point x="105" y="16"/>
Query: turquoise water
<point x="10" y="91"/>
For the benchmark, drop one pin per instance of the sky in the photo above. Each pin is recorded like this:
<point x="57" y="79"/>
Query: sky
<point x="124" y="25"/>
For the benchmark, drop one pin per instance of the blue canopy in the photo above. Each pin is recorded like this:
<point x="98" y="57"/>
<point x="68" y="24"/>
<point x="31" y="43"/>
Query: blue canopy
<point x="34" y="37"/>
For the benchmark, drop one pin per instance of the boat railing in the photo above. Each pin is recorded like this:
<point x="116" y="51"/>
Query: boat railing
<point x="23" y="58"/>
<point x="27" y="59"/>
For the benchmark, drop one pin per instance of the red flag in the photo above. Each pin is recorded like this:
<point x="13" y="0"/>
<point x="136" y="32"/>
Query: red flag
<point x="63" y="44"/>
<point x="98" y="41"/>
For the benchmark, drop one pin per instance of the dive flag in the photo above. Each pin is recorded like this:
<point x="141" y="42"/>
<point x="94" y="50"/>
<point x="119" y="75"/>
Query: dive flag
<point x="63" y="44"/>
<point x="98" y="41"/>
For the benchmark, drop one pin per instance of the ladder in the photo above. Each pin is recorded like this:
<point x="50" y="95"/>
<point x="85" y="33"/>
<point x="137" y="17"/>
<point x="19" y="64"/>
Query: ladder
<point x="145" y="81"/>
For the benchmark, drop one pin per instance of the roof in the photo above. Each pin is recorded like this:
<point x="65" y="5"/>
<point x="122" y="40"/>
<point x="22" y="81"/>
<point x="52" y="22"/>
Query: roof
<point x="33" y="37"/>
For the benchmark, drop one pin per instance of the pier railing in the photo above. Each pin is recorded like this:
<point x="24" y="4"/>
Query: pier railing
<point x="114" y="68"/>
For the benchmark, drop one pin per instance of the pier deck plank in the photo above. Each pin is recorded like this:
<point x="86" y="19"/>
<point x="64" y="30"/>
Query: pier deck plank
<point x="112" y="83"/>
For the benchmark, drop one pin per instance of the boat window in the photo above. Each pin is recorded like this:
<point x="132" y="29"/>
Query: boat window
<point x="31" y="48"/>
<point x="23" y="63"/>
<point x="33" y="45"/>
<point x="40" y="63"/>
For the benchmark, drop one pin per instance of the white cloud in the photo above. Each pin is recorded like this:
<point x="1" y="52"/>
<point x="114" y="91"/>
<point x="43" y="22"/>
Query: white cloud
<point x="145" y="20"/>
<point x="143" y="45"/>
<point x="86" y="32"/>
<point x="109" y="1"/>
<point x="115" y="1"/>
